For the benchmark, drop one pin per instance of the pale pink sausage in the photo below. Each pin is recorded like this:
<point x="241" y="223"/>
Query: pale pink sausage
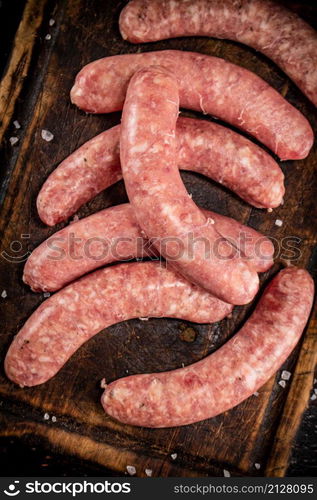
<point x="78" y="312"/>
<point x="227" y="377"/>
<point x="113" y="234"/>
<point x="208" y="84"/>
<point x="262" y="24"/>
<point x="162" y="206"/>
<point x="203" y="147"/>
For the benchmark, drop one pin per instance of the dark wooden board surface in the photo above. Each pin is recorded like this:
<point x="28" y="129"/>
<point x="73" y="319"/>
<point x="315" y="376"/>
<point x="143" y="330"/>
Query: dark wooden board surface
<point x="261" y="429"/>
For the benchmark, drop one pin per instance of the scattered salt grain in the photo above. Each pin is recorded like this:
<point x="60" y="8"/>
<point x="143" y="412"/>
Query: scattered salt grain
<point x="279" y="222"/>
<point x="4" y="294"/>
<point x="47" y="135"/>
<point x="210" y="221"/>
<point x="270" y="210"/>
<point x="74" y="219"/>
<point x="103" y="383"/>
<point x="148" y="472"/>
<point x="46" y="416"/>
<point x="226" y="473"/>
<point x="131" y="470"/>
<point x="173" y="456"/>
<point x="190" y="195"/>
<point x="16" y="124"/>
<point x="46" y="294"/>
<point x="54" y="419"/>
<point x="183" y="365"/>
<point x="315" y="380"/>
<point x="144" y="319"/>
<point x="256" y="394"/>
<point x="282" y="383"/>
<point x="286" y="375"/>
<point x="315" y="391"/>
<point x="13" y="140"/>
<point x="48" y="36"/>
<point x="313" y="397"/>
<point x="51" y="22"/>
<point x="257" y="466"/>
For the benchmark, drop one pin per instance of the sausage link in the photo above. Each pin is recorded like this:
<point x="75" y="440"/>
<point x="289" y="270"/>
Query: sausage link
<point x="208" y="84"/>
<point x="113" y="234"/>
<point x="227" y="377"/>
<point x="267" y="27"/>
<point x="163" y="208"/>
<point x="75" y="314"/>
<point x="203" y="147"/>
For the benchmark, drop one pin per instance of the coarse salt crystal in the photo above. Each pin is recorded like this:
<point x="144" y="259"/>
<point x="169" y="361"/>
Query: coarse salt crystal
<point x="74" y="219"/>
<point x="173" y="456"/>
<point x="315" y="391"/>
<point x="51" y="22"/>
<point x="46" y="294"/>
<point x="282" y="383"/>
<point x="270" y="210"/>
<point x="226" y="473"/>
<point x="47" y="135"/>
<point x="103" y="383"/>
<point x="148" y="472"/>
<point x="131" y="470"/>
<point x="257" y="466"/>
<point x="313" y="397"/>
<point x="286" y="375"/>
<point x="144" y="319"/>
<point x="256" y="394"/>
<point x="190" y="195"/>
<point x="4" y="294"/>
<point x="16" y="124"/>
<point x="46" y="416"/>
<point x="279" y="222"/>
<point x="54" y="419"/>
<point x="48" y="36"/>
<point x="13" y="140"/>
<point x="210" y="221"/>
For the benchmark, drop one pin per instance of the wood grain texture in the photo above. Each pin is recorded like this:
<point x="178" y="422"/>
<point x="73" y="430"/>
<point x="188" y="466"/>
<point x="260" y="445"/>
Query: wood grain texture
<point x="13" y="80"/>
<point x="295" y="405"/>
<point x="85" y="30"/>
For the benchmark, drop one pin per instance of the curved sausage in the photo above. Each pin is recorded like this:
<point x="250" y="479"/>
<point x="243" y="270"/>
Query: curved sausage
<point x="162" y="206"/>
<point x="227" y="377"/>
<point x="203" y="147"/>
<point x="264" y="25"/>
<point x="75" y="314"/>
<point x="208" y="84"/>
<point x="113" y="234"/>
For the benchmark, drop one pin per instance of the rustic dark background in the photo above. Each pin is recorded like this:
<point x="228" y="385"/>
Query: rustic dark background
<point x="33" y="456"/>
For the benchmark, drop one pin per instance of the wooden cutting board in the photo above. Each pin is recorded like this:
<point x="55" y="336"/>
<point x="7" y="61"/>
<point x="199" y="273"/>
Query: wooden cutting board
<point x="35" y="91"/>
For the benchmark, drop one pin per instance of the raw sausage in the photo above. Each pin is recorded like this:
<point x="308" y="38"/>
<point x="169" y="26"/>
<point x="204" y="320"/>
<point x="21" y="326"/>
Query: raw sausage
<point x="113" y="234"/>
<point x="228" y="376"/>
<point x="162" y="206"/>
<point x="203" y="147"/>
<point x="75" y="314"/>
<point x="270" y="28"/>
<point x="208" y="84"/>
